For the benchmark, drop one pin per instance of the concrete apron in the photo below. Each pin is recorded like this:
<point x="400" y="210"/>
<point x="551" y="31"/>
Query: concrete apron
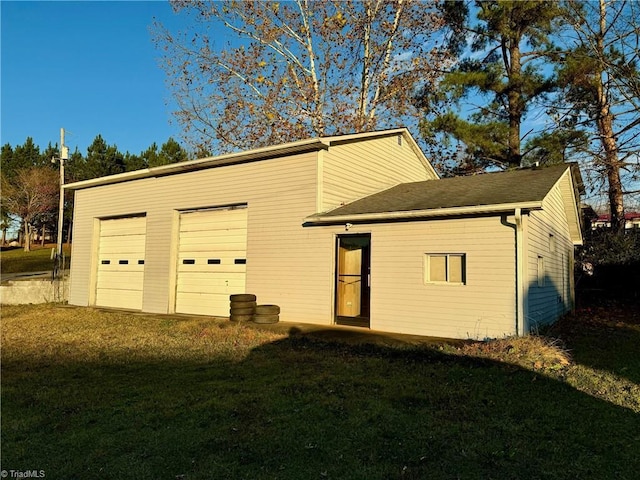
<point x="27" y="289"/>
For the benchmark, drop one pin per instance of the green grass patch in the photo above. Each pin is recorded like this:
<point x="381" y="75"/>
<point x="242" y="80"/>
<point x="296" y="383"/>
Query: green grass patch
<point x="16" y="260"/>
<point x="88" y="394"/>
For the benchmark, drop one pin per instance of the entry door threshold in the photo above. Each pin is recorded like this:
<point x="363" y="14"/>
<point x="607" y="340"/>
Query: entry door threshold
<point x="353" y="321"/>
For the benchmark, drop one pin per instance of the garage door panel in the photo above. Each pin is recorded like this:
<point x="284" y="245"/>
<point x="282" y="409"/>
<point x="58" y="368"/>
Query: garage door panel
<point x="228" y="273"/>
<point x="211" y="248"/>
<point x="115" y="279"/>
<point x="220" y="283"/>
<point x="197" y="228"/>
<point x="220" y="237"/>
<point x="211" y="260"/>
<point x="118" y="298"/>
<point x="121" y="255"/>
<point x="214" y="219"/>
<point x="123" y="226"/>
<point x="116" y="256"/>
<point x="213" y="232"/>
<point x="223" y="242"/>
<point x="225" y="226"/>
<point x="205" y="291"/>
<point x="223" y="261"/>
<point x="116" y="265"/>
<point x="212" y="288"/>
<point x="197" y="304"/>
<point x="217" y="278"/>
<point x="123" y="244"/>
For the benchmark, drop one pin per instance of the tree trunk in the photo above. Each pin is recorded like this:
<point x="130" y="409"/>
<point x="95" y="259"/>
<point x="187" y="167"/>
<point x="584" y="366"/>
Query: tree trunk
<point x="611" y="162"/>
<point x="607" y="137"/>
<point x="513" y="66"/>
<point x="27" y="237"/>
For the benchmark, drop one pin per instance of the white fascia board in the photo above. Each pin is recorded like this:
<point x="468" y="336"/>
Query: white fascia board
<point x="360" y="136"/>
<point x="209" y="162"/>
<point x="435" y="212"/>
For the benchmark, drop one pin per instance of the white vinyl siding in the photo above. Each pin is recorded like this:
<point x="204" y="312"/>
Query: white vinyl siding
<point x="549" y="257"/>
<point x="355" y="170"/>
<point x="121" y="254"/>
<point x="211" y="263"/>
<point x="402" y="302"/>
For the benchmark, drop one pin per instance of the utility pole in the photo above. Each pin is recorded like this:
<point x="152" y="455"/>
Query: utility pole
<point x="64" y="155"/>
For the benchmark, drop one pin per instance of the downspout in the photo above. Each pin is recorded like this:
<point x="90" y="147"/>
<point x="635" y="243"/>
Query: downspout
<point x="520" y="317"/>
<point x="519" y="270"/>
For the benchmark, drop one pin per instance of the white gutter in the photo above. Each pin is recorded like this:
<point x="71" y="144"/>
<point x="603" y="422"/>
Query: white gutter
<point x="435" y="212"/>
<point x="520" y="293"/>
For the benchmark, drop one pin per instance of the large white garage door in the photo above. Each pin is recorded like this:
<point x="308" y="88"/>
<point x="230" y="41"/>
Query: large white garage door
<point x="121" y="263"/>
<point x="212" y="257"/>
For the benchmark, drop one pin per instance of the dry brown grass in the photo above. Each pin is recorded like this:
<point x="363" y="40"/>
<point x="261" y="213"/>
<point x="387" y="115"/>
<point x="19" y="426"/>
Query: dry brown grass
<point x="85" y="334"/>
<point x="531" y="352"/>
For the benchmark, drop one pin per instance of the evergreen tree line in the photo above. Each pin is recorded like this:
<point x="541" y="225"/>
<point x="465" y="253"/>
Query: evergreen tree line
<point x="30" y="181"/>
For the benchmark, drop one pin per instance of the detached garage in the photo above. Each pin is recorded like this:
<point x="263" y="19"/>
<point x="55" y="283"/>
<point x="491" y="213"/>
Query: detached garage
<point x="351" y="230"/>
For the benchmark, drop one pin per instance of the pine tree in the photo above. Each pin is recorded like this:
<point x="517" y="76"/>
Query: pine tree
<point x="482" y="103"/>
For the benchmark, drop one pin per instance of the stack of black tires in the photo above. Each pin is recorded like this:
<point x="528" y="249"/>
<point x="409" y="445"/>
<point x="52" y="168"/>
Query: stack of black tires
<point x="245" y="308"/>
<point x="267" y="314"/>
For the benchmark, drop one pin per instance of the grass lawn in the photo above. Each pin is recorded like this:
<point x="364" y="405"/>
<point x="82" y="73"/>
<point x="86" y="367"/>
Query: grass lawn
<point x="89" y="394"/>
<point x="16" y="260"/>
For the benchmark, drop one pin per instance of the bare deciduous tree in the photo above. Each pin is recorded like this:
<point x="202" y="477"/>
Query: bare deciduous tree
<point x="296" y="69"/>
<point x="31" y="193"/>
<point x="599" y="70"/>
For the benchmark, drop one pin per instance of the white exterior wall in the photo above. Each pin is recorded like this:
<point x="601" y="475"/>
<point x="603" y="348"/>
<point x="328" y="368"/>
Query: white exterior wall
<point x="401" y="301"/>
<point x="545" y="303"/>
<point x="285" y="262"/>
<point x="355" y="170"/>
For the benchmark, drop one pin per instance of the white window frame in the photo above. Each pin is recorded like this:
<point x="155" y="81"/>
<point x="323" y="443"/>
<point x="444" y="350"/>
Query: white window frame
<point x="447" y="281"/>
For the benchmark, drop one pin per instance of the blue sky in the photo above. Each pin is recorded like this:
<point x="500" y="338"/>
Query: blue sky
<point x="90" y="67"/>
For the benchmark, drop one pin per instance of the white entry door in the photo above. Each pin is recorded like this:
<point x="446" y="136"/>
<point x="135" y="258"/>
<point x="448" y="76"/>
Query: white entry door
<point x="212" y="257"/>
<point x="121" y="254"/>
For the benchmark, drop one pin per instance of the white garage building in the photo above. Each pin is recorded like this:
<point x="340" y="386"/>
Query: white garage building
<point x="354" y="229"/>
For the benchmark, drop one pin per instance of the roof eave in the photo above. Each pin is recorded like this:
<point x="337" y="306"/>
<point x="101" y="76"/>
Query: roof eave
<point x="429" y="213"/>
<point x="313" y="144"/>
<point x="573" y="214"/>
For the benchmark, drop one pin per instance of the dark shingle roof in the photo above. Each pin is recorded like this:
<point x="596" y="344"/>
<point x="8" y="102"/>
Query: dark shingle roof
<point x="514" y="186"/>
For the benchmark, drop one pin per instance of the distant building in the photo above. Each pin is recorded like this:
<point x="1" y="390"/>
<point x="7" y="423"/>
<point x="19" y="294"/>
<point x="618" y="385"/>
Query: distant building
<point x="631" y="220"/>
